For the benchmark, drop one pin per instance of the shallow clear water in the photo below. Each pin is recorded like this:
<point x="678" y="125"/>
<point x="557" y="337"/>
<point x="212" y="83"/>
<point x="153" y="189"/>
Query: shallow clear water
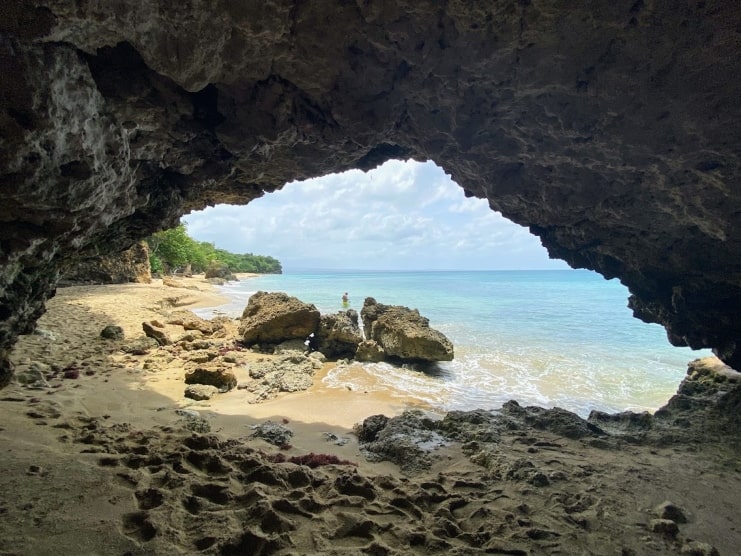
<point x="553" y="338"/>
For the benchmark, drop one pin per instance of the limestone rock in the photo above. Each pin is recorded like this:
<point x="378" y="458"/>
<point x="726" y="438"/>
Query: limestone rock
<point x="219" y="270"/>
<point x="34" y="377"/>
<point x="273" y="432"/>
<point x="665" y="527"/>
<point x="140" y="346"/>
<point x="290" y="346"/>
<point x="130" y="266"/>
<point x="557" y="420"/>
<point x="223" y="380"/>
<point x="290" y="372"/>
<point x="368" y="430"/>
<point x="407" y="440"/>
<point x="112" y="332"/>
<point x="295" y="382"/>
<point x="200" y="391"/>
<point x="370" y="351"/>
<point x="403" y="333"/>
<point x="338" y="334"/>
<point x="275" y="317"/>
<point x="193" y="421"/>
<point x="711" y="370"/>
<point x="171" y="282"/>
<point x="157" y="333"/>
<point x="696" y="548"/>
<point x="669" y="510"/>
<point x="190" y="321"/>
<point x="711" y="394"/>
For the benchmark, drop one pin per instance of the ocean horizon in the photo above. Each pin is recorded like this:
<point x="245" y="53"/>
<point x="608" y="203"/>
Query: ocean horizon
<point x="551" y="338"/>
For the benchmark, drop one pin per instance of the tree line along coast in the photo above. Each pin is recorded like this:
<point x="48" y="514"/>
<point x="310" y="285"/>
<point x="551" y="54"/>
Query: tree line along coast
<point x="172" y="250"/>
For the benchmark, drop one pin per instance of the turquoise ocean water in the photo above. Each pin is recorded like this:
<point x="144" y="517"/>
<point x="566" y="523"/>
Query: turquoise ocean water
<point x="552" y="338"/>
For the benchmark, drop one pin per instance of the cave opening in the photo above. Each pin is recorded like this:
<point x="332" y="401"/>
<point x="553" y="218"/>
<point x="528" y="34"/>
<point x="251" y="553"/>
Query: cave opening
<point x="525" y="327"/>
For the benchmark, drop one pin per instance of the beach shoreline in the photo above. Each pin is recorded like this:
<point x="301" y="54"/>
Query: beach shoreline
<point x="104" y="462"/>
<point x="142" y="302"/>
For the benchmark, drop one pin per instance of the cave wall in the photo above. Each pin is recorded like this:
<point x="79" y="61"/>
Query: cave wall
<point x="611" y="131"/>
<point x="131" y="265"/>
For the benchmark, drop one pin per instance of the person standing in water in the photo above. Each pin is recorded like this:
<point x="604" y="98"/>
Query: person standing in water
<point x="345" y="300"/>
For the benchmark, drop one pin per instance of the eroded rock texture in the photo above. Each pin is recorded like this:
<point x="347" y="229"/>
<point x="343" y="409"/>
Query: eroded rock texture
<point x="113" y="268"/>
<point x="611" y="131"/>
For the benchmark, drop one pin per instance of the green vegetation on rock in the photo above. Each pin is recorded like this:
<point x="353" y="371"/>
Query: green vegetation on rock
<point x="174" y="249"/>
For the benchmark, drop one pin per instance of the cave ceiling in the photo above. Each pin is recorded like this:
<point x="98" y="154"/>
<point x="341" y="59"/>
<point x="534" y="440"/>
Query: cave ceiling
<point x="611" y="131"/>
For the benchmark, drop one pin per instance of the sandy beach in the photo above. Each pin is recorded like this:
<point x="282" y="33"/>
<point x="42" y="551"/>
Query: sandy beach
<point x="103" y="459"/>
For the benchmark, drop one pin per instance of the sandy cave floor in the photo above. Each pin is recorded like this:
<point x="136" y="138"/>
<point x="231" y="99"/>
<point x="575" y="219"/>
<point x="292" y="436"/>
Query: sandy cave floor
<point x="102" y="464"/>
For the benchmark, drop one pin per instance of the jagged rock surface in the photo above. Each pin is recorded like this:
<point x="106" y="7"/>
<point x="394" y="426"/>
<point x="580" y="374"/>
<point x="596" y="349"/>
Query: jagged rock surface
<point x="220" y="270"/>
<point x="704" y="411"/>
<point x="275" y="317"/>
<point x="338" y="334"/>
<point x="612" y="133"/>
<point x="403" y="333"/>
<point x="130" y="266"/>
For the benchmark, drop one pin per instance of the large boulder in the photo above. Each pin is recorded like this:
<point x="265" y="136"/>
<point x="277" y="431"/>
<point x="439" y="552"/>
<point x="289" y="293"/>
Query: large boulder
<point x="217" y="269"/>
<point x="403" y="333"/>
<point x="274" y="317"/>
<point x="339" y="334"/>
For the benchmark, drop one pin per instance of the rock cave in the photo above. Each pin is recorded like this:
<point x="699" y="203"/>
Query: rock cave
<point x="611" y="132"/>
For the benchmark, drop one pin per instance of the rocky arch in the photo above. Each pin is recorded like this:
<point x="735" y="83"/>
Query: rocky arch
<point x="611" y="132"/>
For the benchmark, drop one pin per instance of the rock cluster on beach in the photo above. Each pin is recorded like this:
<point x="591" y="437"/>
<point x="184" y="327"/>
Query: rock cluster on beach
<point x="275" y="323"/>
<point x="390" y="332"/>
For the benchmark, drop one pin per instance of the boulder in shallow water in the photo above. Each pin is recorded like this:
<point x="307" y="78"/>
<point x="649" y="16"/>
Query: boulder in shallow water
<point x="274" y="317"/>
<point x="403" y="333"/>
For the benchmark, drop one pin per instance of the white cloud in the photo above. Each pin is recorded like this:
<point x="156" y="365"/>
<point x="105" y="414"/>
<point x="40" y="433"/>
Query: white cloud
<point x="402" y="215"/>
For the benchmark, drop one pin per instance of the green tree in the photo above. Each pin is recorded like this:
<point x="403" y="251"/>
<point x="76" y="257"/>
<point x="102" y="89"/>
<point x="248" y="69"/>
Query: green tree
<point x="174" y="248"/>
<point x="171" y="248"/>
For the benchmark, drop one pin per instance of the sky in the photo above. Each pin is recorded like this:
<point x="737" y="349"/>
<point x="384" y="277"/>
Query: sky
<point x="403" y="215"/>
